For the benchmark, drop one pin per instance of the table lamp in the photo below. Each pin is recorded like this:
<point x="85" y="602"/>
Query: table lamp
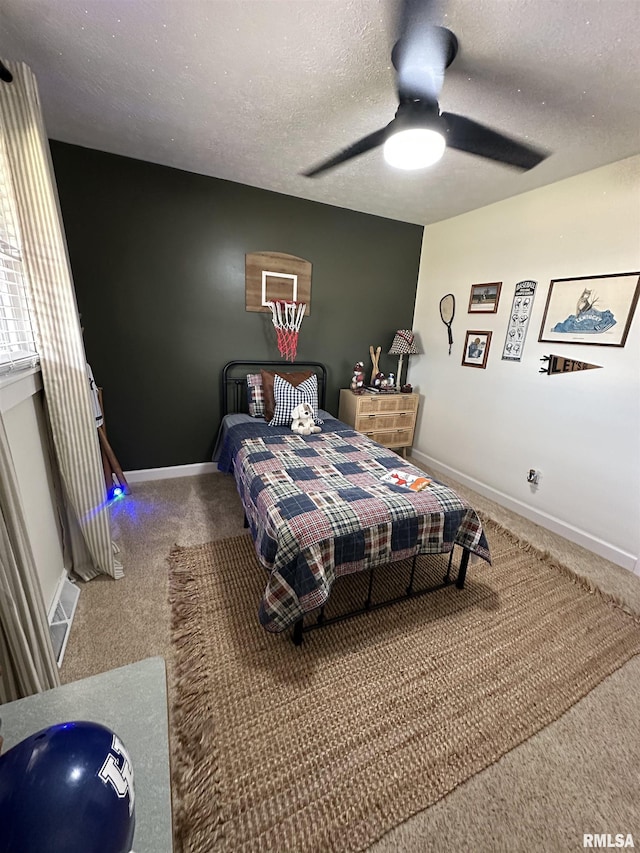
<point x="403" y="344"/>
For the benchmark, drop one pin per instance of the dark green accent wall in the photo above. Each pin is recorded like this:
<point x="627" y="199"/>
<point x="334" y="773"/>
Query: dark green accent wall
<point x="158" y="263"/>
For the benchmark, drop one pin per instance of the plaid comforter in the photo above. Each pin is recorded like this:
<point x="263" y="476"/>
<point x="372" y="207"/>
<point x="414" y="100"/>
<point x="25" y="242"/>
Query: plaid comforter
<point x="317" y="509"/>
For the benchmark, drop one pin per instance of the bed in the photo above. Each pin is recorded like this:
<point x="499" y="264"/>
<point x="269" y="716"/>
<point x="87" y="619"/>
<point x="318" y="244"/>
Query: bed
<point x="320" y="506"/>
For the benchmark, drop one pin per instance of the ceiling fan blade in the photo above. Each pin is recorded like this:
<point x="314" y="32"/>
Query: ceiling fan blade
<point x="360" y="147"/>
<point x="475" y="138"/>
<point x="422" y="51"/>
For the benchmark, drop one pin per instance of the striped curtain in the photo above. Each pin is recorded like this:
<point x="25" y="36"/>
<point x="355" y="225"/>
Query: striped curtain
<point x="27" y="660"/>
<point x="62" y="356"/>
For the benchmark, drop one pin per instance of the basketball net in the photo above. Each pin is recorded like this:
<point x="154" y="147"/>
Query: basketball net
<point x="287" y="319"/>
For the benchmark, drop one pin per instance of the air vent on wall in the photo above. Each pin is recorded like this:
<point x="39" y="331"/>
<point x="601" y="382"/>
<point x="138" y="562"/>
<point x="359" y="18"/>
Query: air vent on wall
<point x="62" y="616"/>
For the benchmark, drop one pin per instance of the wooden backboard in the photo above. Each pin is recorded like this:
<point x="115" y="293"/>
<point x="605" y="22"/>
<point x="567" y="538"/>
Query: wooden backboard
<point x="270" y="276"/>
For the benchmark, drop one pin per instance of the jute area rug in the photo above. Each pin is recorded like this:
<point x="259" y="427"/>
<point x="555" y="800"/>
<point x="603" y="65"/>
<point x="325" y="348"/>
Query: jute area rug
<point x="328" y="746"/>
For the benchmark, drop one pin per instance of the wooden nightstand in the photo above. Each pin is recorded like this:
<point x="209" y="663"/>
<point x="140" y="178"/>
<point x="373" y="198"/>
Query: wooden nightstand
<point x="389" y="419"/>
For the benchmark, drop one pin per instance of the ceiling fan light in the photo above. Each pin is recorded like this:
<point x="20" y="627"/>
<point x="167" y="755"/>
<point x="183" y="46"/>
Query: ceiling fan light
<point x="414" y="148"/>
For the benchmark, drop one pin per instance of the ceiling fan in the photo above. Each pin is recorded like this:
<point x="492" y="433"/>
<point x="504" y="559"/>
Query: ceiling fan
<point x="419" y="133"/>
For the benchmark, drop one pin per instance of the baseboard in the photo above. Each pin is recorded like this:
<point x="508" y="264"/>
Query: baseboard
<point x="144" y="474"/>
<point x="555" y="525"/>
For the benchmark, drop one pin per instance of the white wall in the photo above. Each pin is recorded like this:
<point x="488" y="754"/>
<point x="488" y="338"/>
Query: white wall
<point x="581" y="430"/>
<point x="22" y="412"/>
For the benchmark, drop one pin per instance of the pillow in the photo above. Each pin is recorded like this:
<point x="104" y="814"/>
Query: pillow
<point x="255" y="395"/>
<point x="288" y="397"/>
<point x="267" y="387"/>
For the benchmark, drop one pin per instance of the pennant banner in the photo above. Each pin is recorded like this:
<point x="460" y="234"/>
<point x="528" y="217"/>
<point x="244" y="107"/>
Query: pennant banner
<point x="559" y="364"/>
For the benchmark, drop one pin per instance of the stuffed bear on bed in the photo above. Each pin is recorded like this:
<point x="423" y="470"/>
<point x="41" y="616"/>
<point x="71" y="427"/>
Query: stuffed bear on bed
<point x="302" y="422"/>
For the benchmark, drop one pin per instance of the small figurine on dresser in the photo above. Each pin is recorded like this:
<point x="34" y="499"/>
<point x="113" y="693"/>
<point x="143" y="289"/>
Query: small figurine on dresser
<point x="391" y="381"/>
<point x="379" y="380"/>
<point x="407" y="389"/>
<point x="357" y="380"/>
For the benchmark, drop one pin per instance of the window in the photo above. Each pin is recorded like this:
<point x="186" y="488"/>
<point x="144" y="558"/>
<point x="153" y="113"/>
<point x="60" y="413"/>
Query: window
<point x="17" y="340"/>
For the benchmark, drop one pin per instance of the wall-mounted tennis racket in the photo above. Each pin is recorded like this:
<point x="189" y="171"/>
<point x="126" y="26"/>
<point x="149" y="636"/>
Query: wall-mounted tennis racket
<point x="447" y="312"/>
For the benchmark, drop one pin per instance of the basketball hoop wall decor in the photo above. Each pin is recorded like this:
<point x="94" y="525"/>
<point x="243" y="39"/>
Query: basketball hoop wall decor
<point x="287" y="319"/>
<point x="276" y="277"/>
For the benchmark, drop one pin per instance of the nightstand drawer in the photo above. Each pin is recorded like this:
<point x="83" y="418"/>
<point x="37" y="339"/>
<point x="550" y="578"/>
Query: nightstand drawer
<point x="401" y="420"/>
<point x="373" y="404"/>
<point x="392" y="438"/>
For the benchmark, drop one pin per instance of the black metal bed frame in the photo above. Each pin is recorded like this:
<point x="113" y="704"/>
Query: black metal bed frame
<point x="299" y="629"/>
<point x="233" y="398"/>
<point x="234" y="387"/>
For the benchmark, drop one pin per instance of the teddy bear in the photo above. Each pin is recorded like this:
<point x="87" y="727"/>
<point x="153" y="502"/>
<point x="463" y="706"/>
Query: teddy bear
<point x="357" y="380"/>
<point x="302" y="422"/>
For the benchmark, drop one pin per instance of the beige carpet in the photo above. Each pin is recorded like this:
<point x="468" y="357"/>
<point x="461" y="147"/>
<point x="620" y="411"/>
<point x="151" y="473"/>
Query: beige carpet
<point x="327" y="747"/>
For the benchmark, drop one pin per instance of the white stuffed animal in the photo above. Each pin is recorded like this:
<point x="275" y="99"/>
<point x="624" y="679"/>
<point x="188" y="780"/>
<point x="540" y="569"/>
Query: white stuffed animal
<point x="302" y="422"/>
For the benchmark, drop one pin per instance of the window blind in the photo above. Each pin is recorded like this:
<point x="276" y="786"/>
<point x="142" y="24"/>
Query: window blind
<point x="18" y="348"/>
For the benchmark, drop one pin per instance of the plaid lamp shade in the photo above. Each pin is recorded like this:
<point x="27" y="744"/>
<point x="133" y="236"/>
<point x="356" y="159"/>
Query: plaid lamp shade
<point x="404" y="343"/>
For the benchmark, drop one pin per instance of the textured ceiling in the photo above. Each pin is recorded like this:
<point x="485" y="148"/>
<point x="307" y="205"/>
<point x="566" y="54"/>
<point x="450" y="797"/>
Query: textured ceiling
<point x="255" y="91"/>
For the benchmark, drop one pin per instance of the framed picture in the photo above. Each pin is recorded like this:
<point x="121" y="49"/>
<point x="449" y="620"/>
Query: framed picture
<point x="484" y="298"/>
<point x="519" y="319"/>
<point x="594" y="309"/>
<point x="476" y="349"/>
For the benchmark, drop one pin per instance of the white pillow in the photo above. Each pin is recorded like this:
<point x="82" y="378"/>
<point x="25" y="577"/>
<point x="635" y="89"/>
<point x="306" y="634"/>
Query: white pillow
<point x="288" y="396"/>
